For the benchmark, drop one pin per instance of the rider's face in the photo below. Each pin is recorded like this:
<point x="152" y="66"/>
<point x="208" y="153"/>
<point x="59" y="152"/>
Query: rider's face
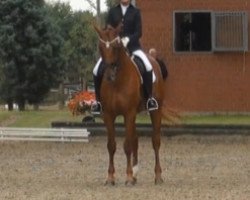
<point x="125" y="2"/>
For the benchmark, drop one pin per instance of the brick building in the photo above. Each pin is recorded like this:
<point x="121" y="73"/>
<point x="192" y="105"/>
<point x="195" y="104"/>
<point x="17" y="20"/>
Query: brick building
<point x="205" y="44"/>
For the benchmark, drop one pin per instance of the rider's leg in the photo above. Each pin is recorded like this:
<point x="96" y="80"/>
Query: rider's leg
<point x="96" y="108"/>
<point x="147" y="80"/>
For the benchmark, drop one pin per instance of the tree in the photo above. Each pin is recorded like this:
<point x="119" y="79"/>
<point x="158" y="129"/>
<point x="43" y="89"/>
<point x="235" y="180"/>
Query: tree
<point x="30" y="51"/>
<point x="62" y="16"/>
<point x="111" y="3"/>
<point x="100" y="17"/>
<point x="80" y="48"/>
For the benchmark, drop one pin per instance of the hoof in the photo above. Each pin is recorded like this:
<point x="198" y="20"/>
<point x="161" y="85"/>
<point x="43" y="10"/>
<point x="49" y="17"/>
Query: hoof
<point x="158" y="181"/>
<point x="110" y="183"/>
<point x="131" y="182"/>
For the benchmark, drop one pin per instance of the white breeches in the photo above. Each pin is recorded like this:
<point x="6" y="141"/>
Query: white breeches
<point x="95" y="70"/>
<point x="138" y="53"/>
<point x="144" y="58"/>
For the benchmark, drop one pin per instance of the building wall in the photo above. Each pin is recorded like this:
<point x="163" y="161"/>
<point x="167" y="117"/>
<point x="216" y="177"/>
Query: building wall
<point x="197" y="82"/>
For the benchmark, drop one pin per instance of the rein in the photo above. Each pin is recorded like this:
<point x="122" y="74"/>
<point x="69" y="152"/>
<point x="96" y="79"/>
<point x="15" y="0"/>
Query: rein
<point x="108" y="43"/>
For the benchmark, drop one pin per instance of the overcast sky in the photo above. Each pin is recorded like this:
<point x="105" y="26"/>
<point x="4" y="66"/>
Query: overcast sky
<point x="81" y="4"/>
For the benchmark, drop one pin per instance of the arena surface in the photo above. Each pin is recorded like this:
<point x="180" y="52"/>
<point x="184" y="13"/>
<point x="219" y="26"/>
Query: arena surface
<point x="194" y="167"/>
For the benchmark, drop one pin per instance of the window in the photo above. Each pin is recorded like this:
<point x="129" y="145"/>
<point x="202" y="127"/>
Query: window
<point x="230" y="31"/>
<point x="193" y="31"/>
<point x="210" y="31"/>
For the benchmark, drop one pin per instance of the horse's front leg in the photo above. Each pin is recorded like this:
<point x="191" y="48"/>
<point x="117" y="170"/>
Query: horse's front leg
<point x="131" y="147"/>
<point x="156" y="140"/>
<point x="111" y="145"/>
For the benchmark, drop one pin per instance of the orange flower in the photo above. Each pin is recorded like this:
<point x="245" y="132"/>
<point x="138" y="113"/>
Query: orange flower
<point x="81" y="102"/>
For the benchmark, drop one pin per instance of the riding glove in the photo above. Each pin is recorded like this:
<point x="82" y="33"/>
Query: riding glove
<point x="125" y="41"/>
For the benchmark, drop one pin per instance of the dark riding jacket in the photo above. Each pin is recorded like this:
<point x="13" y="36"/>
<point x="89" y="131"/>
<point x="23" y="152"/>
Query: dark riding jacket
<point x="132" y="26"/>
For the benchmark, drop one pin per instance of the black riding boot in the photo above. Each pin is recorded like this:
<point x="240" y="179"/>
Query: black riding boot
<point x="148" y="85"/>
<point x="96" y="108"/>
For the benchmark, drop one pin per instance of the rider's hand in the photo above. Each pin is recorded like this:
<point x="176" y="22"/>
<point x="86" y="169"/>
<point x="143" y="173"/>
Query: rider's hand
<point x="125" y="41"/>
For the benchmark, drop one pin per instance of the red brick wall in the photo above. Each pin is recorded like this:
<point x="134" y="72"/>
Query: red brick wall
<point x="198" y="82"/>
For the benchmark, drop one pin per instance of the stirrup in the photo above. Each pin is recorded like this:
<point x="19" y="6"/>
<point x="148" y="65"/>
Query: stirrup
<point x="96" y="108"/>
<point x="152" y="107"/>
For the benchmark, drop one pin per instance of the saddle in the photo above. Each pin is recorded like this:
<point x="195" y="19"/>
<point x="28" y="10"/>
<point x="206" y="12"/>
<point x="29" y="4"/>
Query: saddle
<point x="140" y="66"/>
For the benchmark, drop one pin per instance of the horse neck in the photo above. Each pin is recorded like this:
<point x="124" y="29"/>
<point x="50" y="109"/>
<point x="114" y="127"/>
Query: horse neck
<point x="126" y="65"/>
<point x="127" y="74"/>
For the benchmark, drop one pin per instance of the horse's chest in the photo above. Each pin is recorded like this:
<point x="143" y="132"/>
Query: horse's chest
<point x="119" y="99"/>
<point x="113" y="97"/>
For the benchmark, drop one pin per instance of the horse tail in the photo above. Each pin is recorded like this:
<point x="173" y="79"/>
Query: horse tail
<point x="170" y="116"/>
<point x="163" y="68"/>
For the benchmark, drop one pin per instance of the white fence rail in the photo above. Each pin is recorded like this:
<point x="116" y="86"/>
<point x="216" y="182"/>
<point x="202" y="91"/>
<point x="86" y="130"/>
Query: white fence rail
<point x="44" y="134"/>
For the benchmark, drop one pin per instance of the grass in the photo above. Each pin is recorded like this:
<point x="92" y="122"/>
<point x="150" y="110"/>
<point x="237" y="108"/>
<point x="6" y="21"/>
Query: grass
<point x="4" y="116"/>
<point x="44" y="117"/>
<point x="218" y="119"/>
<point x="41" y="119"/>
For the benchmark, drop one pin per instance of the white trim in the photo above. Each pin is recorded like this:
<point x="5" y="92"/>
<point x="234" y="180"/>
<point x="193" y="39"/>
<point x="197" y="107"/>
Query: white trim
<point x="44" y="134"/>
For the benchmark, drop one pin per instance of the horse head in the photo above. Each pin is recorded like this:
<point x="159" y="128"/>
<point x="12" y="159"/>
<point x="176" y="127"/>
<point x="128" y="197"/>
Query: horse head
<point x="109" y="44"/>
<point x="110" y="47"/>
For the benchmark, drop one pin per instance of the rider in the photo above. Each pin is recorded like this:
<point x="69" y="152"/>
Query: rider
<point x="130" y="16"/>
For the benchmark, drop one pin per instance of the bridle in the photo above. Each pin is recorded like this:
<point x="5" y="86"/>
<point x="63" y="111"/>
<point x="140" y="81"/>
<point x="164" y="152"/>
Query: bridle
<point x="113" y="66"/>
<point x="108" y="43"/>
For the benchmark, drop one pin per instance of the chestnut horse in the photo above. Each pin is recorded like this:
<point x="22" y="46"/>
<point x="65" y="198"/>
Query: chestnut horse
<point x="122" y="94"/>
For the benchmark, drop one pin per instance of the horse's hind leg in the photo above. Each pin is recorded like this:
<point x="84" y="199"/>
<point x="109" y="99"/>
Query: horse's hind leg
<point x="156" y="141"/>
<point x="130" y="147"/>
<point x="111" y="145"/>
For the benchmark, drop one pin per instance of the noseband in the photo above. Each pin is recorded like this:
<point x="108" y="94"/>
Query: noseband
<point x="108" y="43"/>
